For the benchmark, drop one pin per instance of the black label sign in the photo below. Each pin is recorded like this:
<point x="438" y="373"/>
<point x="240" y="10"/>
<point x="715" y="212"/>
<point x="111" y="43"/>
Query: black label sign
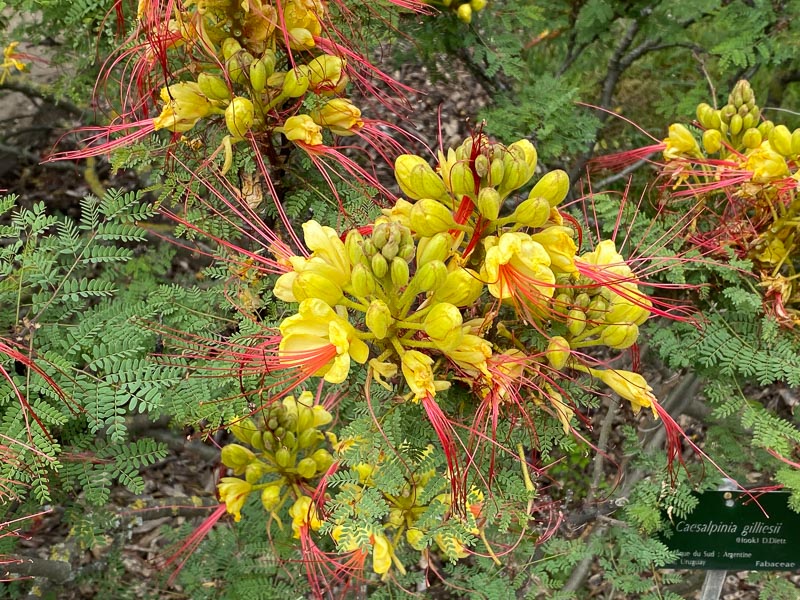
<point x="730" y="531"/>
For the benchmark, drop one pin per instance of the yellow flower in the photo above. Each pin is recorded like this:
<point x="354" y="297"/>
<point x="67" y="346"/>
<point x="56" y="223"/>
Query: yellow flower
<point x="301" y="128"/>
<point x="381" y="554"/>
<point x="558" y="243"/>
<point x="184" y="106"/>
<point x="471" y="354"/>
<point x="237" y="457"/>
<point x="233" y="492"/>
<point x="418" y="373"/>
<point x="304" y="514"/>
<point x="515" y="266"/>
<point x="606" y="257"/>
<point x="680" y="142"/>
<point x="301" y="23"/>
<point x="325" y="243"/>
<point x="339" y="115"/>
<point x="630" y="386"/>
<point x="326" y="74"/>
<point x="766" y="164"/>
<point x="317" y="338"/>
<point x="382" y="371"/>
<point x="10" y="61"/>
<point x="443" y="326"/>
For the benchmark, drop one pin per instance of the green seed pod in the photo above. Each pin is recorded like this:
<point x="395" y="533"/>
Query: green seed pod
<point x="269" y="59"/>
<point x="283" y="458"/>
<point x="399" y="272"/>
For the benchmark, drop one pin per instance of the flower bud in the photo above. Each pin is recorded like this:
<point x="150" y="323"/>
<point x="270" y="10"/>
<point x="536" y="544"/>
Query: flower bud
<point x="339" y="115"/>
<point x="267" y="441"/>
<point x="598" y="308"/>
<point x="326" y="73"/>
<point x="621" y="336"/>
<point x="558" y="351"/>
<point x="213" y="87"/>
<point x="489" y="203"/>
<point x="461" y="179"/>
<point x="230" y="46"/>
<point x="283" y="457"/>
<point x="243" y="430"/>
<point x="553" y="187"/>
<point x="323" y="459"/>
<point x="705" y="114"/>
<point x="417" y="179"/>
<point x="524" y="150"/>
<point x="301" y="38"/>
<point x="379" y="318"/>
<point x="295" y="82"/>
<point x="482" y="165"/>
<point x="576" y="321"/>
<point x="313" y="285"/>
<point x="379" y="266"/>
<point x="429" y="276"/>
<point x="582" y="301"/>
<point x="307" y="468"/>
<point x="390" y="250"/>
<point x="796" y="141"/>
<point x="289" y="439"/>
<point x="308" y="438"/>
<point x="239" y="116"/>
<point x="496" y="171"/>
<point x="443" y="326"/>
<point x="462" y="287"/>
<point x="735" y="124"/>
<point x="301" y="128"/>
<point x="434" y="248"/>
<point x="478" y="5"/>
<point x="751" y="139"/>
<point x="237" y="457"/>
<point x="398" y="272"/>
<point x="271" y="497"/>
<point x="352" y="245"/>
<point x="533" y="212"/>
<point x="781" y="140"/>
<point x="712" y="141"/>
<point x="321" y="415"/>
<point x="362" y="281"/>
<point x="429" y="217"/>
<point x="464" y="13"/>
<point x="258" y="75"/>
<point x="766" y="127"/>
<point x="238" y="66"/>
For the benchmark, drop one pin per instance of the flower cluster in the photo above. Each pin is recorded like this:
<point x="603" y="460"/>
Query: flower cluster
<point x="284" y="456"/>
<point x="437" y="287"/>
<point x="744" y="171"/>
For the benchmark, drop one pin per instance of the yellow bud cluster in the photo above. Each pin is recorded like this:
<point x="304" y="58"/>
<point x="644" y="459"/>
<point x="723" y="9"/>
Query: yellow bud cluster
<point x="464" y="10"/>
<point x="250" y="76"/>
<point x="288" y="444"/>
